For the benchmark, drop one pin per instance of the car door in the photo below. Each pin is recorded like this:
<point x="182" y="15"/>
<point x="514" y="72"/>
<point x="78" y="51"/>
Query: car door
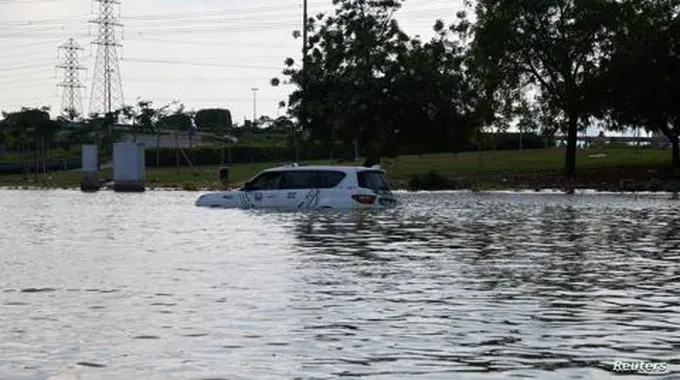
<point x="262" y="191"/>
<point x="297" y="190"/>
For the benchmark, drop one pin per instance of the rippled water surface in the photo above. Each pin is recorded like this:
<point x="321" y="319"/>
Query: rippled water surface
<point x="447" y="286"/>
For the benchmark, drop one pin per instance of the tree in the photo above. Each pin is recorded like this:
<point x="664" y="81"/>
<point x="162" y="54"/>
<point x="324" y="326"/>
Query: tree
<point x="217" y="120"/>
<point x="146" y="117"/>
<point x="555" y="45"/>
<point x="365" y="80"/>
<point x="528" y="121"/>
<point x="33" y="130"/>
<point x="141" y="118"/>
<point x="70" y="114"/>
<point x="339" y="94"/>
<point x="281" y="124"/>
<point x="432" y="91"/>
<point x="177" y="121"/>
<point x="643" y="74"/>
<point x="4" y="134"/>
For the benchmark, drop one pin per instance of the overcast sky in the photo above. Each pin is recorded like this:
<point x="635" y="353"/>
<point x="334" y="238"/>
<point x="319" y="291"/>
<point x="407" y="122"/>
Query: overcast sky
<point x="204" y="53"/>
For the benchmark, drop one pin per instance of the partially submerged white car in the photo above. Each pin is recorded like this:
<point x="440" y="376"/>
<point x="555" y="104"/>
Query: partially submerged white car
<point x="302" y="188"/>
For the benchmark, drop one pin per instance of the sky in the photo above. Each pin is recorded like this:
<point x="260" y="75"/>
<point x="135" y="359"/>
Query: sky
<point x="202" y="53"/>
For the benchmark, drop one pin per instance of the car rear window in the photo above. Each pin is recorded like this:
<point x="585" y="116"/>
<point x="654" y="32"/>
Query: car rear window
<point x="374" y="180"/>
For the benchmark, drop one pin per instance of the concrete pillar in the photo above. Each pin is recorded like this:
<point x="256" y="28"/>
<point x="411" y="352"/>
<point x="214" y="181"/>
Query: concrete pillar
<point x="129" y="167"/>
<point x="89" y="180"/>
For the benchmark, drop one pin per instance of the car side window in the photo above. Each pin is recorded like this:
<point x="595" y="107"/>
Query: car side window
<point x="330" y="179"/>
<point x="265" y="181"/>
<point x="298" y="179"/>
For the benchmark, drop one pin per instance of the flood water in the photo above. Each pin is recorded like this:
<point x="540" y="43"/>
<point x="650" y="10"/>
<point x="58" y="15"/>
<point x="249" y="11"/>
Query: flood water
<point x="446" y="286"/>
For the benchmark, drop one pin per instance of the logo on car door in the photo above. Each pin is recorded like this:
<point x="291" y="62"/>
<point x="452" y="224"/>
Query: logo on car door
<point x="258" y="197"/>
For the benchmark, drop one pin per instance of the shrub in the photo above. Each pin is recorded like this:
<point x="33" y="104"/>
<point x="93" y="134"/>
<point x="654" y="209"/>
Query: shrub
<point x="432" y="181"/>
<point x="189" y="186"/>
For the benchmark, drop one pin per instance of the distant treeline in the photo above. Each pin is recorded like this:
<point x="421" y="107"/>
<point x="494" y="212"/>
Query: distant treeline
<point x="31" y="166"/>
<point x="239" y="154"/>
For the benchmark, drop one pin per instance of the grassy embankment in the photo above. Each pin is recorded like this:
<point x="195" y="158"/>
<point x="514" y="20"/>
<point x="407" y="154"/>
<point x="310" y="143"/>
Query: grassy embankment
<point x="616" y="169"/>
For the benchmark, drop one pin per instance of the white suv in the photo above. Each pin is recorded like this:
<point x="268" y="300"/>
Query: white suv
<point x="296" y="188"/>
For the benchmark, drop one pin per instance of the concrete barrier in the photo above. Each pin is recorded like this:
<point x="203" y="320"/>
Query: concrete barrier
<point x="129" y="168"/>
<point x="89" y="180"/>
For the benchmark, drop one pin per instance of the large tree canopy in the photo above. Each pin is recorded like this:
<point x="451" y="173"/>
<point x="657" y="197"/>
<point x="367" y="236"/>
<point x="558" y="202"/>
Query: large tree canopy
<point x="27" y="126"/>
<point x="365" y="79"/>
<point x="554" y="45"/>
<point x="642" y="85"/>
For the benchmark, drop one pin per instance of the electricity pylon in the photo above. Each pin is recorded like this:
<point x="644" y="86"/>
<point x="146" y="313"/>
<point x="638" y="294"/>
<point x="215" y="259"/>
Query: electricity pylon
<point x="107" y="89"/>
<point x="71" y="98"/>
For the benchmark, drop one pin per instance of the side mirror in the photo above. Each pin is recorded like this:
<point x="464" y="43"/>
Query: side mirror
<point x="246" y="186"/>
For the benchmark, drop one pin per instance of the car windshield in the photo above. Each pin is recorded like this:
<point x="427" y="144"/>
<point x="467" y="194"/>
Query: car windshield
<point x="374" y="180"/>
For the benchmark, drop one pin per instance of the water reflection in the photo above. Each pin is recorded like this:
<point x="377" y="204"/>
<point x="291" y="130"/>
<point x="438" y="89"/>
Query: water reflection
<point x="551" y="286"/>
<point x="447" y="286"/>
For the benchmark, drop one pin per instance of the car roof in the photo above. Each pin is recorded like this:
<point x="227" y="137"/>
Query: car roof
<point x="324" y="167"/>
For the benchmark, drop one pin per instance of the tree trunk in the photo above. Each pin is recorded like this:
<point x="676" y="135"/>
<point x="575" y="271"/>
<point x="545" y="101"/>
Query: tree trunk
<point x="191" y="146"/>
<point x="572" y="134"/>
<point x="356" y="150"/>
<point x="297" y="151"/>
<point x="36" y="159"/>
<point x="158" y="150"/>
<point x="676" y="152"/>
<point x="177" y="151"/>
<point x="673" y="138"/>
<point x="480" y="148"/>
<point x="25" y="159"/>
<point x="45" y="156"/>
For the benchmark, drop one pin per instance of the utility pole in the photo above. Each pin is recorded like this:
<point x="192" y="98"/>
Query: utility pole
<point x="71" y="100"/>
<point x="254" y="90"/>
<point x="107" y="89"/>
<point x="305" y="48"/>
<point x="304" y="32"/>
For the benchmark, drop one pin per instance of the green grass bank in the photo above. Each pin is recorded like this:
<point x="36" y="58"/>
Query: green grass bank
<point x="607" y="169"/>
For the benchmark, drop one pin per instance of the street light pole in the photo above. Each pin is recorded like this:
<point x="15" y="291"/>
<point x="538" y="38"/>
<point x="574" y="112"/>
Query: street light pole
<point x="304" y="32"/>
<point x="254" y="90"/>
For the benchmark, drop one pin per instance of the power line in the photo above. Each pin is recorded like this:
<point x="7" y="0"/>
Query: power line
<point x="37" y="81"/>
<point x="6" y="47"/>
<point x="194" y="79"/>
<point x="203" y="42"/>
<point x="219" y="12"/>
<point x="24" y="67"/>
<point x="188" y="63"/>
